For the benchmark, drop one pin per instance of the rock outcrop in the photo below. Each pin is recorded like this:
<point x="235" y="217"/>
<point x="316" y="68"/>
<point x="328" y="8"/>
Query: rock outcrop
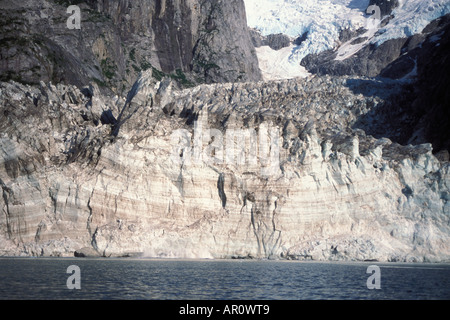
<point x="276" y="173"/>
<point x="274" y="41"/>
<point x="194" y="41"/>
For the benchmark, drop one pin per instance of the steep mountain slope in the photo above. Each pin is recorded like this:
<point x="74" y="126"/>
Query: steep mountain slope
<point x="421" y="113"/>
<point x="192" y="41"/>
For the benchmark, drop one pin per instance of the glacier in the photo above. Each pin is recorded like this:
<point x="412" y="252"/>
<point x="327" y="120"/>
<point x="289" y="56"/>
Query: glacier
<point x="411" y="17"/>
<point x="87" y="170"/>
<point x="324" y="19"/>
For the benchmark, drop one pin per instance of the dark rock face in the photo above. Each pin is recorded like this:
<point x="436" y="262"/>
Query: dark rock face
<point x="172" y="26"/>
<point x="430" y="100"/>
<point x="278" y="41"/>
<point x="369" y="61"/>
<point x="274" y="41"/>
<point x="210" y="38"/>
<point x="300" y="39"/>
<point x="121" y="38"/>
<point x="223" y="50"/>
<point x="421" y="113"/>
<point x="36" y="45"/>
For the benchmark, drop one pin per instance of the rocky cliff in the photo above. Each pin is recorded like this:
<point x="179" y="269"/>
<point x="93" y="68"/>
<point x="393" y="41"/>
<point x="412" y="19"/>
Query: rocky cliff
<point x="191" y="41"/>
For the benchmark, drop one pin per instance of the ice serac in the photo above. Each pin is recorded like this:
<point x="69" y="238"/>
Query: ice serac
<point x="72" y="183"/>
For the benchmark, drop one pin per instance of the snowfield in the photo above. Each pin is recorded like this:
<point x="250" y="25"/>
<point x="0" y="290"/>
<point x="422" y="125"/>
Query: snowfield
<point x="277" y="65"/>
<point x="322" y="20"/>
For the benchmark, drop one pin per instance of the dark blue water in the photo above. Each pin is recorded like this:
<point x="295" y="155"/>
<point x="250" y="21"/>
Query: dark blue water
<point x="28" y="278"/>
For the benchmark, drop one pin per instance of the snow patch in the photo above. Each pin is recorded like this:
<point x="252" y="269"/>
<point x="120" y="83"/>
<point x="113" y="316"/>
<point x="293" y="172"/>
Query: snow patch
<point x="277" y="65"/>
<point x="350" y="48"/>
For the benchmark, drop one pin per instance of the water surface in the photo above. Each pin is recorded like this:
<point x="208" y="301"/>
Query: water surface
<point x="143" y="279"/>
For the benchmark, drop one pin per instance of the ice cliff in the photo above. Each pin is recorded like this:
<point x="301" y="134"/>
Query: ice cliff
<point x="71" y="179"/>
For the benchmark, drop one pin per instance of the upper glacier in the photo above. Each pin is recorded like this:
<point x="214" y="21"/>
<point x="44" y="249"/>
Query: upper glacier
<point x="323" y="20"/>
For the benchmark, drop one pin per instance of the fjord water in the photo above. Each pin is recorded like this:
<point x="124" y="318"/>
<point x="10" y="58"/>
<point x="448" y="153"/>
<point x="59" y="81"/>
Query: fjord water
<point x="145" y="279"/>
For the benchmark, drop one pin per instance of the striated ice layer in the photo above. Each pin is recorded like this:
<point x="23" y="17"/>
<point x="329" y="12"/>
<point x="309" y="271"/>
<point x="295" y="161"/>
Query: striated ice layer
<point x="125" y="189"/>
